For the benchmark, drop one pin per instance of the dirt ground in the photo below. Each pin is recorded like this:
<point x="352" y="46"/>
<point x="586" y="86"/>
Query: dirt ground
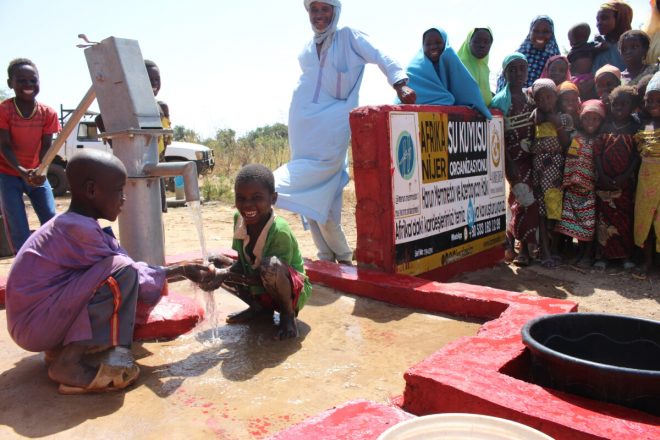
<point x="611" y="291"/>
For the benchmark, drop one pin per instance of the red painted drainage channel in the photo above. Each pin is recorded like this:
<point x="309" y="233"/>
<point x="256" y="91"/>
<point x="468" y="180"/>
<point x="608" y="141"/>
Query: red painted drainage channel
<point x="484" y="374"/>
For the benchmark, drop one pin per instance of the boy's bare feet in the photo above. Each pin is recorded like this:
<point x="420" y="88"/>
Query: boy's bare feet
<point x="288" y="327"/>
<point x="248" y="315"/>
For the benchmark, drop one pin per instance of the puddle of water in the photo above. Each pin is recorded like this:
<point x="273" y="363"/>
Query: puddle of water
<point x="350" y="348"/>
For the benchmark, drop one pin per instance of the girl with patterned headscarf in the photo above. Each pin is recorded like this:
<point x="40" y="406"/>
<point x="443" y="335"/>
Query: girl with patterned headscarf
<point x="556" y="68"/>
<point x="539" y="45"/>
<point x="517" y="108"/>
<point x="332" y="64"/>
<point x="613" y="19"/>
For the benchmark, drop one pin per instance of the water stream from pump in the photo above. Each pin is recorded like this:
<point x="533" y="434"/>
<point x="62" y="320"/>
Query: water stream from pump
<point x="209" y="297"/>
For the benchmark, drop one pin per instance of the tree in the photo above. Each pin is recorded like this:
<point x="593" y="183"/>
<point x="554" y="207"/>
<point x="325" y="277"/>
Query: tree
<point x="225" y="139"/>
<point x="4" y="94"/>
<point x="184" y="134"/>
<point x="277" y="131"/>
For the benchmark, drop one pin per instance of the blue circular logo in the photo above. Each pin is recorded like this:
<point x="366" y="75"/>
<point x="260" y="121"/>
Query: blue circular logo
<point x="471" y="214"/>
<point x="405" y="155"/>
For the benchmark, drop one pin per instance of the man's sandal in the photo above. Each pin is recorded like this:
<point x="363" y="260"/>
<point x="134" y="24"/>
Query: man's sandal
<point x="107" y="379"/>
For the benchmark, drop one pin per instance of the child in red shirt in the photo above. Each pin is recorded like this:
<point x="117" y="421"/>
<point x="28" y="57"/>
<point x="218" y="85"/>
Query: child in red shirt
<point x="26" y="133"/>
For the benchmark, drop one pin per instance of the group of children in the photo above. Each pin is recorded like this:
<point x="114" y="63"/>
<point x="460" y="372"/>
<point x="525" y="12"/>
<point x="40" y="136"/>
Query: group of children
<point x="577" y="128"/>
<point x="85" y="298"/>
<point x="574" y="165"/>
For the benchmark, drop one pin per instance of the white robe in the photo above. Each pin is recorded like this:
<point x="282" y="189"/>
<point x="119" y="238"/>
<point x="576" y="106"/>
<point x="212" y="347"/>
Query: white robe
<point x="311" y="183"/>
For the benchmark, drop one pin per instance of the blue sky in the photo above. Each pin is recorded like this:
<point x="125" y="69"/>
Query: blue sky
<point x="234" y="64"/>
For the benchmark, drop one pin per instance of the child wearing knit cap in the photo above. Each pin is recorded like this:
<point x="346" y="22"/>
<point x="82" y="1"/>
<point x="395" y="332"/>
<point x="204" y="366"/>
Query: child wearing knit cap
<point x="578" y="218"/>
<point x="568" y="101"/>
<point x="607" y="79"/>
<point x="551" y="138"/>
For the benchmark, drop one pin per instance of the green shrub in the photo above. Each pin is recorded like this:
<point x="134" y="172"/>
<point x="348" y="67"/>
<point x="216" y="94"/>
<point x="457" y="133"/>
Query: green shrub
<point x="217" y="187"/>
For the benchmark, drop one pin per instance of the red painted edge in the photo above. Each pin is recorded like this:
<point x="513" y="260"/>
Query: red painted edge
<point x="173" y="316"/>
<point x="355" y="420"/>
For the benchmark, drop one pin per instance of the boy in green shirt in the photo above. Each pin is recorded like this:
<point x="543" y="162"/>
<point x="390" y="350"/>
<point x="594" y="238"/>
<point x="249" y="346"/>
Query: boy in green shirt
<point x="269" y="273"/>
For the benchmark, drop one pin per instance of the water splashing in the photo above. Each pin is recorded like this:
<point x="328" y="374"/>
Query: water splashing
<point x="196" y="214"/>
<point x="209" y="297"/>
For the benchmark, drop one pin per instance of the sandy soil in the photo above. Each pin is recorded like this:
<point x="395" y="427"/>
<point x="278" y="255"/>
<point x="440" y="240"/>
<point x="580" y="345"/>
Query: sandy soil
<point x="612" y="291"/>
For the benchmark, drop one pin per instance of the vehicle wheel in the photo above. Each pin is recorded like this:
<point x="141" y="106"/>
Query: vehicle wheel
<point x="57" y="179"/>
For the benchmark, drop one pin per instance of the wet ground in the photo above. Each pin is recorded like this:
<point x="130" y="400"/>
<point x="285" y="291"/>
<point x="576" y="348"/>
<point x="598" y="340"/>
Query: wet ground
<point x="233" y="382"/>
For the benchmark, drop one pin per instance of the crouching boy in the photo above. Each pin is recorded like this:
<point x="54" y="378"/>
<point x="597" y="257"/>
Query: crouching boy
<point x="73" y="289"/>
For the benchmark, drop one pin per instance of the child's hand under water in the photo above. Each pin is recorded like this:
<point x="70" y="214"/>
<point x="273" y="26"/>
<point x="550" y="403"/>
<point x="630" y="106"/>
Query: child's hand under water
<point x="197" y="273"/>
<point x="220" y="260"/>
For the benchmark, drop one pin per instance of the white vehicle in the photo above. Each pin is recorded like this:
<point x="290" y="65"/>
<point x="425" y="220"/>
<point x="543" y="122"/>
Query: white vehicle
<point x="86" y="136"/>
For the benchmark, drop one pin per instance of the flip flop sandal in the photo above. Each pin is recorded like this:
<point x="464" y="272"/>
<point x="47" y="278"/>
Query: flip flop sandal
<point x="639" y="274"/>
<point x="107" y="379"/>
<point x="521" y="261"/>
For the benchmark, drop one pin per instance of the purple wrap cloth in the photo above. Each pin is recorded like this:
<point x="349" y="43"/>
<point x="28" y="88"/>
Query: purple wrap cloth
<point x="54" y="276"/>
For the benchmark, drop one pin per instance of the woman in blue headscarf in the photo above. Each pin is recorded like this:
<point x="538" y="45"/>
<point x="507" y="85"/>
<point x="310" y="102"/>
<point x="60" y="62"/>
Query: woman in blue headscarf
<point x="517" y="108"/>
<point x="332" y="65"/>
<point x="539" y="45"/>
<point x="439" y="77"/>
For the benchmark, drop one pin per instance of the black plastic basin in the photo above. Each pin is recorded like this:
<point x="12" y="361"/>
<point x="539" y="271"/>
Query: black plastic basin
<point x="611" y="358"/>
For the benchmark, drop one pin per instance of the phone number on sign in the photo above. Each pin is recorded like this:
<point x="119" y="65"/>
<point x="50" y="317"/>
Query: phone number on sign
<point x="485" y="227"/>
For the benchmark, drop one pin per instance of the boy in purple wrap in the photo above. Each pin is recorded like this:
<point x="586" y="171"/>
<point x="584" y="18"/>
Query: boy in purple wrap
<point x="73" y="290"/>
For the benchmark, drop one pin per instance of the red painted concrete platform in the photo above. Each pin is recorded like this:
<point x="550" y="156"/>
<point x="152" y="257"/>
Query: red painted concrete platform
<point x="374" y="209"/>
<point x="174" y="315"/>
<point x="486" y="374"/>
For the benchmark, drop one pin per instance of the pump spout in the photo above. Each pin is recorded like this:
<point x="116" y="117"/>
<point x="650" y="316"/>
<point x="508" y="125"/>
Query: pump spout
<point x="170" y="169"/>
